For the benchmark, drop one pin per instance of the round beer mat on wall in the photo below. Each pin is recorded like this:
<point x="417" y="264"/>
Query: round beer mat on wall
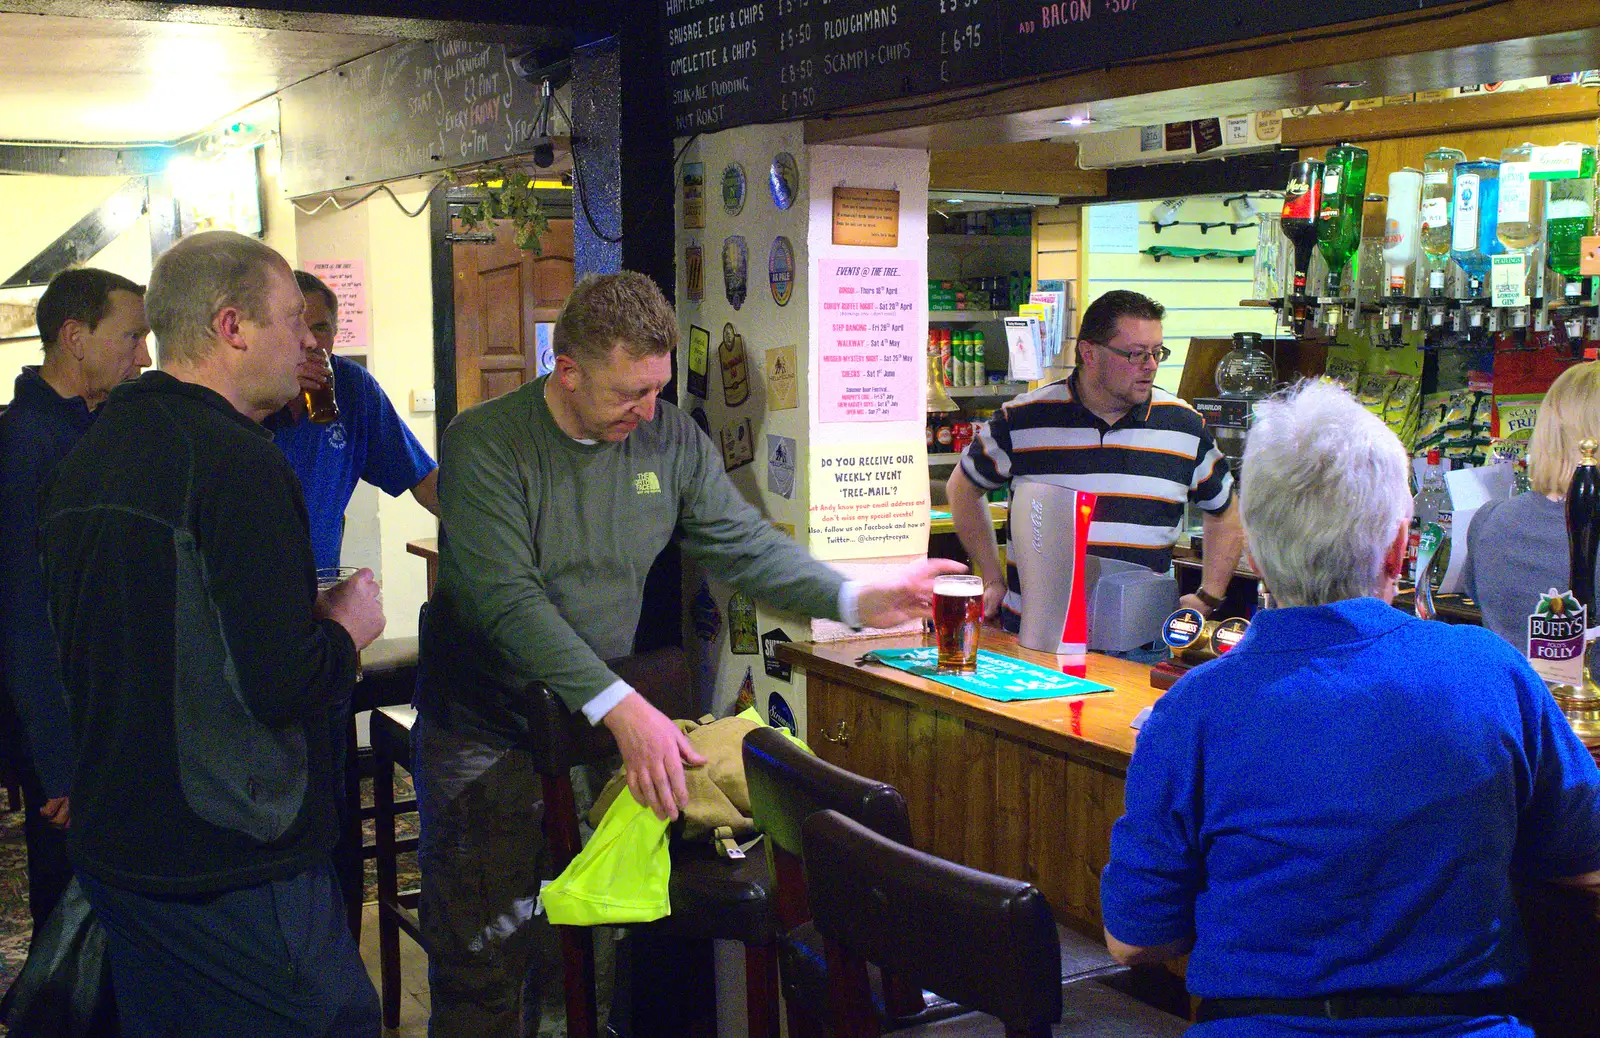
<point x="733" y="185"/>
<point x="784" y="180"/>
<point x="780" y="270"/>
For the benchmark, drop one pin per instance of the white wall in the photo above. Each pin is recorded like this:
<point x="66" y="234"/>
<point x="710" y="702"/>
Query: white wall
<point x="37" y="210"/>
<point x="764" y="325"/>
<point x="1202" y="299"/>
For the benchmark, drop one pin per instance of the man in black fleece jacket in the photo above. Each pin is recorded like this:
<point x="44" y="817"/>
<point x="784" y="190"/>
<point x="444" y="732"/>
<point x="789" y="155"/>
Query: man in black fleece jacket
<point x="200" y="664"/>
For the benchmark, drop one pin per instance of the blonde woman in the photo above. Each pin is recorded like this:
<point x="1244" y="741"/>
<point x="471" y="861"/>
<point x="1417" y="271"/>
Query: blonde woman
<point x="1517" y="549"/>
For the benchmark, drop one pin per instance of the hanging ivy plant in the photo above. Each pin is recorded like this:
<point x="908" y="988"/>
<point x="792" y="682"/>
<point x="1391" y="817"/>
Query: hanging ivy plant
<point x="505" y="194"/>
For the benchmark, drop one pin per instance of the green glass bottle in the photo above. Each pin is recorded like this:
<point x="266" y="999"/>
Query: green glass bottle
<point x="1568" y="218"/>
<point x="1344" y="192"/>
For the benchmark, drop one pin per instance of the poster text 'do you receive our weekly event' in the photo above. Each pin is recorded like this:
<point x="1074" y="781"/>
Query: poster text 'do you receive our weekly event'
<point x="868" y="358"/>
<point x="869" y="500"/>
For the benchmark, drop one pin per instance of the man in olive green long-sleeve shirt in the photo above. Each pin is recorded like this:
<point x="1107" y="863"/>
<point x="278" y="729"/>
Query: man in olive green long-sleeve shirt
<point x="555" y="501"/>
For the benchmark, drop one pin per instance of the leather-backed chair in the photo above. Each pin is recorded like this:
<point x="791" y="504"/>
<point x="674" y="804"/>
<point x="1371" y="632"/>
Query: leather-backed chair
<point x="984" y="941"/>
<point x="787" y="786"/>
<point x="712" y="898"/>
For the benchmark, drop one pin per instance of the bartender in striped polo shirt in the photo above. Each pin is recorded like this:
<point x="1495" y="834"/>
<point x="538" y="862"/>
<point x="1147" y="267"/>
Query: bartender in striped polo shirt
<point x="1106" y="429"/>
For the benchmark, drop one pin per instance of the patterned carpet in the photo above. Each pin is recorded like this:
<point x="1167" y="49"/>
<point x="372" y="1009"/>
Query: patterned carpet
<point x="16" y="927"/>
<point x="15" y="924"/>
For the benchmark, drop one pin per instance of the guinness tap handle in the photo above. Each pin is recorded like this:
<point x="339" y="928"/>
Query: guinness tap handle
<point x="1583" y="525"/>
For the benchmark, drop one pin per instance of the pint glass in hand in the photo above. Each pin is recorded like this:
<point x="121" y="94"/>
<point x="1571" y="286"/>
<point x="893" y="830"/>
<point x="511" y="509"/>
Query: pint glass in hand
<point x="957" y="611"/>
<point x="321" y="407"/>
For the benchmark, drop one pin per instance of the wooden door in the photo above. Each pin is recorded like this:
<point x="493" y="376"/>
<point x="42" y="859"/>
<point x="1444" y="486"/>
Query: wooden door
<point x="502" y="294"/>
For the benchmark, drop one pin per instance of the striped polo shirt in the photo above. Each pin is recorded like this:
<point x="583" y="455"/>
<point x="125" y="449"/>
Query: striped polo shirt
<point x="1143" y="468"/>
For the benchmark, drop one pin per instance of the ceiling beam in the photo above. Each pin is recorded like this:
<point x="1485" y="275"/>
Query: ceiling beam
<point x="1470" y="42"/>
<point x="68" y="161"/>
<point x="1028" y="167"/>
<point x="534" y="23"/>
<point x="1474" y="112"/>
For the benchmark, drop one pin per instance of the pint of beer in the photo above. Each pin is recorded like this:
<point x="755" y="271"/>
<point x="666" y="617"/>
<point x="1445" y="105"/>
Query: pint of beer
<point x="957" y="611"/>
<point x="321" y="407"/>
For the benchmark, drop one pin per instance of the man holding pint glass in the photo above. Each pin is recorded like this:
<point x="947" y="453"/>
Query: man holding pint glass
<point x="341" y="429"/>
<point x="557" y="498"/>
<point x="200" y="663"/>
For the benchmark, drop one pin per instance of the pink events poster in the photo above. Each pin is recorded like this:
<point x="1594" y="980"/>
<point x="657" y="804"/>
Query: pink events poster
<point x="869" y="359"/>
<point x="348" y="279"/>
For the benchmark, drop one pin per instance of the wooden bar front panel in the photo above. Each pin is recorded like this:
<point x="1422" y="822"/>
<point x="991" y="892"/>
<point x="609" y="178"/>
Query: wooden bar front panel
<point x="976" y="796"/>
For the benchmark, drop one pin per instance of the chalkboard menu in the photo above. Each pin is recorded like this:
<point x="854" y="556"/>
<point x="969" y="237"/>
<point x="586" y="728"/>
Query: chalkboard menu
<point x="408" y="109"/>
<point x="731" y="62"/>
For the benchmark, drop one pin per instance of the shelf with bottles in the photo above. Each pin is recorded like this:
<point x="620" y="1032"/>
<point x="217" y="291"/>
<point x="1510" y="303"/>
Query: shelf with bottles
<point x="977" y="241"/>
<point x="1472" y="247"/>
<point x="989" y="390"/>
<point x="968" y="316"/>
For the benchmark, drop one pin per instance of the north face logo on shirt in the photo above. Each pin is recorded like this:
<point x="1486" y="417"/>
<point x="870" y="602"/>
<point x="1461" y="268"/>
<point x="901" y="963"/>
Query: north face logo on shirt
<point x="646" y="483"/>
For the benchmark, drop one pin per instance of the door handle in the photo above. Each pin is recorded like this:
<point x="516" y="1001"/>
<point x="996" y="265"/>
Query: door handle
<point x="840" y="734"/>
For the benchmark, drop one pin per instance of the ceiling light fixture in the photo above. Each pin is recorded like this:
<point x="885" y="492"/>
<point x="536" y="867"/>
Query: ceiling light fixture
<point x="1076" y="120"/>
<point x="1345" y="84"/>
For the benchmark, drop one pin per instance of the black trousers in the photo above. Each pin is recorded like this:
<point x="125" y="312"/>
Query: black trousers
<point x="271" y="961"/>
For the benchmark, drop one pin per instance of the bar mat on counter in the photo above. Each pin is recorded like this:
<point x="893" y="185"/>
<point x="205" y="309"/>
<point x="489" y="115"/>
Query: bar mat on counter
<point x="1004" y="679"/>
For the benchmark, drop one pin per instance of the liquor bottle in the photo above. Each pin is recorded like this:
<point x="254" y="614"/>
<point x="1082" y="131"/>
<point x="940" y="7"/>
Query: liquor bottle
<point x="1472" y="221"/>
<point x="1431" y="501"/>
<point x="1582" y="704"/>
<point x="1569" y="217"/>
<point x="1519" y="223"/>
<point x="1401" y="225"/>
<point x="1438" y="194"/>
<point x="1344" y="190"/>
<point x="1302" y="206"/>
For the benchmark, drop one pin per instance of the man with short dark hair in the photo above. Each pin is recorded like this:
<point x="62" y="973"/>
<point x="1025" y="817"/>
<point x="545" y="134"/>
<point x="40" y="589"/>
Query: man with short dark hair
<point x="92" y="326"/>
<point x="1106" y="429"/>
<point x="557" y="498"/>
<point x="200" y="664"/>
<point x="368" y="441"/>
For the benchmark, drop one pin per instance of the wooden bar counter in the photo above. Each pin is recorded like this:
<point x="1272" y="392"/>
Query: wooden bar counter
<point x="1028" y="790"/>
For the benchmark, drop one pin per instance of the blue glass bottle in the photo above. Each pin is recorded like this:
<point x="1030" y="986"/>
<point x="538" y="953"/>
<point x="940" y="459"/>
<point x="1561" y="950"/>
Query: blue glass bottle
<point x="1474" y="221"/>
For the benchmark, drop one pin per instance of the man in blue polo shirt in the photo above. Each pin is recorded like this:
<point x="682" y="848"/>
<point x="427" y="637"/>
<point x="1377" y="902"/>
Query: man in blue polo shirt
<point x="1329" y="817"/>
<point x="368" y="441"/>
<point x="1108" y="431"/>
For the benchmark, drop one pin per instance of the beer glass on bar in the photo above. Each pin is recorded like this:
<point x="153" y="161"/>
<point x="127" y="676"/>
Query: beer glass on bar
<point x="321" y="406"/>
<point x="957" y="611"/>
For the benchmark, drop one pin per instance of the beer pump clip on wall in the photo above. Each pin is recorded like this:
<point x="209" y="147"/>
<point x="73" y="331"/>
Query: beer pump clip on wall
<point x="1049" y="537"/>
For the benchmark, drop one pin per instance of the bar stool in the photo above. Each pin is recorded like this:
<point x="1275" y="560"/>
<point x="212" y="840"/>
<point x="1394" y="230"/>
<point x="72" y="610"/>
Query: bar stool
<point x="789" y="784"/>
<point x="981" y="940"/>
<point x="712" y="898"/>
<point x="397" y="910"/>
<point x="388" y="678"/>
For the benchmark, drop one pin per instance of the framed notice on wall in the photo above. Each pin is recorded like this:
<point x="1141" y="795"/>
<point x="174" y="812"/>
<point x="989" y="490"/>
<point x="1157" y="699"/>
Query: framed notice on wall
<point x="866" y="216"/>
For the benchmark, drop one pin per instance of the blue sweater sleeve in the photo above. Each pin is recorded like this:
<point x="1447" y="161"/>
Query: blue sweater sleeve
<point x="1149" y="884"/>
<point x="31" y="661"/>
<point x="1558" y="829"/>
